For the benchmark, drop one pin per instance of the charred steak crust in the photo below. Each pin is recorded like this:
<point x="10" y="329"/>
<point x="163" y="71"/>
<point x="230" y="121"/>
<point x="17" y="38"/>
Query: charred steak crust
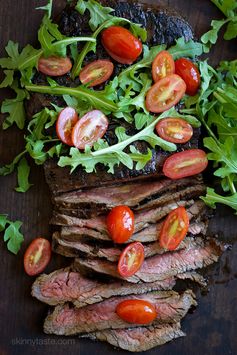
<point x="162" y="27"/>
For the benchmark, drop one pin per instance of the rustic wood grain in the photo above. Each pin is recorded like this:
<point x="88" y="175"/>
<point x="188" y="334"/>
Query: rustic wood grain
<point x="211" y="329"/>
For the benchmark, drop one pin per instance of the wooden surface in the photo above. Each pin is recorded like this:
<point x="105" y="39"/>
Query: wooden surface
<point x="211" y="329"/>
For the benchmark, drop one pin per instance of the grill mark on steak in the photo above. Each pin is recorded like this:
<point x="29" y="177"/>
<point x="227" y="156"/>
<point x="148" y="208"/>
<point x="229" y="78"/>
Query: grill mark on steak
<point x="65" y="285"/>
<point x="199" y="254"/>
<point x="65" y="320"/>
<point x="140" y="338"/>
<point x="162" y="27"/>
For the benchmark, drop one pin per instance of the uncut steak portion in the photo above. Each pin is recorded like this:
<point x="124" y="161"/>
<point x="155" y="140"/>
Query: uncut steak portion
<point x="163" y="27"/>
<point x="66" y="285"/>
<point x="140" y="338"/>
<point x="171" y="307"/>
<point x="200" y="253"/>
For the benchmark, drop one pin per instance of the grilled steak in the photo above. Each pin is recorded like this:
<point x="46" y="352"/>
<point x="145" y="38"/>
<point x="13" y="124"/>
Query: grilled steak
<point x="65" y="285"/>
<point x="138" y="196"/>
<point x="162" y="28"/>
<point x="65" y="320"/>
<point x="198" y="254"/>
<point x="139" y="339"/>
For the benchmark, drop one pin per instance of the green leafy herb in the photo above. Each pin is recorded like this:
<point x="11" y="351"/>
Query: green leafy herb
<point x="212" y="198"/>
<point x="12" y="234"/>
<point x="23" y="176"/>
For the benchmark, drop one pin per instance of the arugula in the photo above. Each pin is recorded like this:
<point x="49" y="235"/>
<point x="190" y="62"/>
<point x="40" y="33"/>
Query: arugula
<point x="12" y="234"/>
<point x="212" y="198"/>
<point x="23" y="176"/>
<point x="229" y="9"/>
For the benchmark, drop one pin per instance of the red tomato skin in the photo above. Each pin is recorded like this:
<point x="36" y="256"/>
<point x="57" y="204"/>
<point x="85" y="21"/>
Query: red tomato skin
<point x="165" y="126"/>
<point x="67" y="119"/>
<point x="162" y="65"/>
<point x="195" y="159"/>
<point x="54" y="66"/>
<point x="190" y="74"/>
<point x="121" y="44"/>
<point x="120" y="223"/>
<point x="95" y="117"/>
<point x="106" y="67"/>
<point x="136" y="311"/>
<point x="171" y="244"/>
<point x="163" y="85"/>
<point x="136" y="249"/>
<point x="44" y="259"/>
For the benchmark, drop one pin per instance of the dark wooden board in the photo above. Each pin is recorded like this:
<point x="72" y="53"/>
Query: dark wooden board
<point x="211" y="329"/>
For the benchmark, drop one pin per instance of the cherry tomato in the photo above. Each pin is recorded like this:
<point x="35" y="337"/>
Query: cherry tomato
<point x="136" y="311"/>
<point x="174" y="229"/>
<point x="175" y="130"/>
<point x="67" y="119"/>
<point x="166" y="93"/>
<point x="189" y="73"/>
<point x="187" y="163"/>
<point x="89" y="129"/>
<point x="96" y="72"/>
<point x="131" y="259"/>
<point x="162" y="65"/>
<point x="121" y="44"/>
<point x="120" y="223"/>
<point x="37" y="256"/>
<point x="54" y="66"/>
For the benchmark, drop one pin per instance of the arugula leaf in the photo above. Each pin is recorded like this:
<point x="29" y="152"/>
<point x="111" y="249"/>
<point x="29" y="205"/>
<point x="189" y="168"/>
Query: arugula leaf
<point x="8" y="80"/>
<point x="47" y="8"/>
<point x="227" y="7"/>
<point x="23" y="176"/>
<point x="9" y="168"/>
<point x="190" y="49"/>
<point x="15" y="109"/>
<point x="12" y="234"/>
<point x="212" y="198"/>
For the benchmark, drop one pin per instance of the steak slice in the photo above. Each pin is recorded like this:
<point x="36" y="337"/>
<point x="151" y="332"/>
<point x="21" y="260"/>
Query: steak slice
<point x="162" y="27"/>
<point x="140" y="338"/>
<point x="65" y="320"/>
<point x="65" y="285"/>
<point x="200" y="253"/>
<point x="95" y="201"/>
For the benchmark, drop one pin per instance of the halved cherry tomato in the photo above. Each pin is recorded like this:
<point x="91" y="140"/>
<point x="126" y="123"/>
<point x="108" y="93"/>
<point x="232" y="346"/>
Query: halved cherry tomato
<point x="89" y="129"/>
<point x="166" y="93"/>
<point x="96" y="72"/>
<point x="162" y="65"/>
<point x="175" y="130"/>
<point x="37" y="256"/>
<point x="120" y="223"/>
<point x="54" y="66"/>
<point x="189" y="73"/>
<point x="136" y="311"/>
<point x="174" y="229"/>
<point x="131" y="259"/>
<point x="187" y="163"/>
<point x="121" y="44"/>
<point x="67" y="119"/>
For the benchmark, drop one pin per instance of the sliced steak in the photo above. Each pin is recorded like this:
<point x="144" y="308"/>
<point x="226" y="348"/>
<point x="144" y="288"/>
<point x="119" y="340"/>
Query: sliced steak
<point x="65" y="285"/>
<point x="140" y="338"/>
<point x="65" y="320"/>
<point x="200" y="253"/>
<point x="138" y="196"/>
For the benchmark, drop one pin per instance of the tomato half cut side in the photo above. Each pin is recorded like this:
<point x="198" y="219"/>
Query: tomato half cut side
<point x="120" y="223"/>
<point x="174" y="229"/>
<point x="37" y="256"/>
<point x="136" y="311"/>
<point x="67" y="119"/>
<point x="175" y="130"/>
<point x="162" y="65"/>
<point x="166" y="93"/>
<point x="121" y="44"/>
<point x="97" y="72"/>
<point x="131" y="259"/>
<point x="54" y="66"/>
<point x="91" y="127"/>
<point x="189" y="73"/>
<point x="187" y="163"/>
